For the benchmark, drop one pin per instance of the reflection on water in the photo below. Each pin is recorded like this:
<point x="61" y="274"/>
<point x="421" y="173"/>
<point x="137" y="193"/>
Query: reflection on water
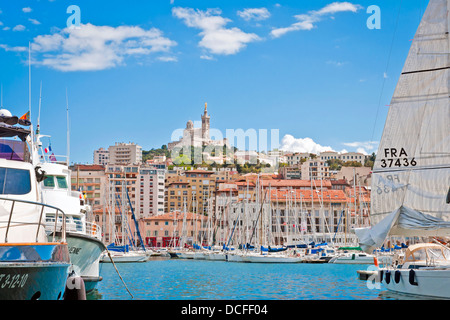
<point x="178" y="279"/>
<point x="391" y="295"/>
<point x="94" y="295"/>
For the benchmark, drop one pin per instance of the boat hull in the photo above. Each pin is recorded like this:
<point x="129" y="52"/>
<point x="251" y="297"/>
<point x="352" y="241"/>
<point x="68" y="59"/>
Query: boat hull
<point x="33" y="271"/>
<point x="428" y="283"/>
<point x="186" y="255"/>
<point x="352" y="259"/>
<point x="200" y="255"/>
<point x="127" y="257"/>
<point x="259" y="258"/>
<point x="216" y="256"/>
<point x="85" y="253"/>
<point x="234" y="257"/>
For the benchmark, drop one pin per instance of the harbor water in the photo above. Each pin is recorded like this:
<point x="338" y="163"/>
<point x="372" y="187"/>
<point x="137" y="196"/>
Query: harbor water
<point x="179" y="279"/>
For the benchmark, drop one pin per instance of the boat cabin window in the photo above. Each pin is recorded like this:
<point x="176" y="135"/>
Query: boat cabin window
<point x="62" y="183"/>
<point x="14" y="181"/>
<point x="49" y="182"/>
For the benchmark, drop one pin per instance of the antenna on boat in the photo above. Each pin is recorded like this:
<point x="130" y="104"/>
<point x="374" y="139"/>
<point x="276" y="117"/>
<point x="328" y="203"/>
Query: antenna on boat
<point x="68" y="135"/>
<point x="39" y="111"/>
<point x="29" y="78"/>
<point x="32" y="142"/>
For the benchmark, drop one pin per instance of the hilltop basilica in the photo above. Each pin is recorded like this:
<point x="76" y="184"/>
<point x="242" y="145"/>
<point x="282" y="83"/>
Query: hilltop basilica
<point x="197" y="137"/>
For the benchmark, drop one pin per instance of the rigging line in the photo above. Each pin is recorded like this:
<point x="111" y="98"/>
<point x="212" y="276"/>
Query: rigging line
<point x="387" y="67"/>
<point x="426" y="70"/>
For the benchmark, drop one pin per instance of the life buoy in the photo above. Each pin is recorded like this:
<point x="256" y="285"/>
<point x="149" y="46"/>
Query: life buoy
<point x="412" y="278"/>
<point x="397" y="276"/>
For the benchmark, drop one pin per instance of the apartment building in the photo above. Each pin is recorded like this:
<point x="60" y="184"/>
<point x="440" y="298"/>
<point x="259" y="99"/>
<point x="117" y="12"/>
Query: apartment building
<point x="296" y="158"/>
<point x="101" y="157"/>
<point x="194" y="189"/>
<point x="203" y="187"/>
<point x="125" y="153"/>
<point x="91" y="180"/>
<point x="150" y="192"/>
<point x="174" y="229"/>
<point x="314" y="169"/>
<point x="348" y="156"/>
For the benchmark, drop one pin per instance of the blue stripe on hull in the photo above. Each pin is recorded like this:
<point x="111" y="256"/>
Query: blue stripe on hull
<point x="31" y="281"/>
<point x="33" y="271"/>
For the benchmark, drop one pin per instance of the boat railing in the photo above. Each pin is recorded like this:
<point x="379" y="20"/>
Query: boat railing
<point x="94" y="230"/>
<point x="40" y="224"/>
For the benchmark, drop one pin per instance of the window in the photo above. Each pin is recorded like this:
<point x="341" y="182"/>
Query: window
<point x="14" y="181"/>
<point x="49" y="182"/>
<point x="62" y="183"/>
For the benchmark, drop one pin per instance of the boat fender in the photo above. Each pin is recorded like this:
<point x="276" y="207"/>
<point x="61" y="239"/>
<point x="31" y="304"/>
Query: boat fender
<point x="75" y="289"/>
<point x="397" y="276"/>
<point x="381" y="275"/>
<point x="412" y="276"/>
<point x="388" y="277"/>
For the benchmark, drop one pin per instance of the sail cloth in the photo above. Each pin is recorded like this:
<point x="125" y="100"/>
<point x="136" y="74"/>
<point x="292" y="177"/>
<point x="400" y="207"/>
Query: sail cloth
<point x="411" y="173"/>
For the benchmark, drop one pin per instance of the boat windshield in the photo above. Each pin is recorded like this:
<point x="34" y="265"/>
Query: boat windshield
<point x="14" y="150"/>
<point x="49" y="182"/>
<point x="14" y="181"/>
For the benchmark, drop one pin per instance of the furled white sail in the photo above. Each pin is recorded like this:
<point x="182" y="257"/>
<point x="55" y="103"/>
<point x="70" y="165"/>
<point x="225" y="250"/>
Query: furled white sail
<point x="411" y="174"/>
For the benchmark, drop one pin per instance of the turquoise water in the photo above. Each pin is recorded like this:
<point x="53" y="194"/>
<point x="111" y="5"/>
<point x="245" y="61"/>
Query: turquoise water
<point x="179" y="279"/>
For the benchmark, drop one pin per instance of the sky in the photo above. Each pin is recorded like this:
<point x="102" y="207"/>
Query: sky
<point x="136" y="71"/>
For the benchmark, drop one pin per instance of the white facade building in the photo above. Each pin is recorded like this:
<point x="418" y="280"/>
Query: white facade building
<point x="101" y="157"/>
<point x="125" y="153"/>
<point x="150" y="192"/>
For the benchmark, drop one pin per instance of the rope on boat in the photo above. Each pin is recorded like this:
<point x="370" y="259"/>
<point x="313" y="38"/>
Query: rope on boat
<point x="112" y="261"/>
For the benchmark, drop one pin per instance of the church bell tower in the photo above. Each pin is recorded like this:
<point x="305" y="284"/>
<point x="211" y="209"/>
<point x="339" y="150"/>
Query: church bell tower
<point x="205" y="125"/>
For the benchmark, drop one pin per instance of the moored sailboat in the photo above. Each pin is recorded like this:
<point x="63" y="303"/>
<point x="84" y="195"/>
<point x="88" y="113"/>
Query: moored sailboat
<point x="411" y="176"/>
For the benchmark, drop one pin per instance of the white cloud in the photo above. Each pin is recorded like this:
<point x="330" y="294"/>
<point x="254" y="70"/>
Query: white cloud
<point x="19" y="27"/>
<point x="206" y="57"/>
<point x="215" y="37"/>
<point x="14" y="49"/>
<point x="27" y="9"/>
<point x="254" y="14"/>
<point x="93" y="47"/>
<point x="364" y="147"/>
<point x="34" y="21"/>
<point x="289" y="143"/>
<point x="336" y="63"/>
<point x="168" y="59"/>
<point x="308" y="21"/>
<point x="385" y="76"/>
<point x="6" y="28"/>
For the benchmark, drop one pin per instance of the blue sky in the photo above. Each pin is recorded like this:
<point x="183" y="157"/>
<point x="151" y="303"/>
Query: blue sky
<point x="136" y="71"/>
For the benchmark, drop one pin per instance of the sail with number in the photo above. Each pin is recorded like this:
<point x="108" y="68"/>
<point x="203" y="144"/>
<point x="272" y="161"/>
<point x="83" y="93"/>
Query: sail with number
<point x="411" y="176"/>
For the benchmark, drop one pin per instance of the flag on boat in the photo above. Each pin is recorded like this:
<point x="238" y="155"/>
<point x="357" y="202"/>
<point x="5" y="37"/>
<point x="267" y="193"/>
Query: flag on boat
<point x="26" y="116"/>
<point x="52" y="157"/>
<point x="25" y="119"/>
